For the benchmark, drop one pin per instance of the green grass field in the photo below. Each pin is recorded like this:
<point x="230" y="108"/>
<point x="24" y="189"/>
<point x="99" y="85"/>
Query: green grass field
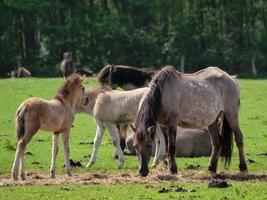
<point x="253" y="120"/>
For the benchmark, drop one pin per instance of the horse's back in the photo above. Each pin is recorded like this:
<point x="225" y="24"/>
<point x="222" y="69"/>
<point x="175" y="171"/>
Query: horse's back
<point x="118" y="106"/>
<point x="49" y="115"/>
<point x="197" y="99"/>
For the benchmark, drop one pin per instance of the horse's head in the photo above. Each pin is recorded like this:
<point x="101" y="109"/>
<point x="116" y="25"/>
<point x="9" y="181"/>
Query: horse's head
<point x="73" y="90"/>
<point x="143" y="138"/>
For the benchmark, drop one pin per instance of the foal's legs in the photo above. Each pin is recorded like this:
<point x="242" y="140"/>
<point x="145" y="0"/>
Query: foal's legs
<point x="97" y="141"/>
<point x="65" y="138"/>
<point x="160" y="147"/>
<point x="19" y="156"/>
<point x="233" y="123"/>
<point x="171" y="148"/>
<point x="113" y="131"/>
<point x="216" y="146"/>
<point x="54" y="154"/>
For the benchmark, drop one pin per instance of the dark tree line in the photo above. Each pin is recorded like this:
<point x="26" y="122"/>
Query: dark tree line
<point x="189" y="34"/>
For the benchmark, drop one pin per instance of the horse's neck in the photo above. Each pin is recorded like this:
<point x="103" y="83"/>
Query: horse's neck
<point x="71" y="102"/>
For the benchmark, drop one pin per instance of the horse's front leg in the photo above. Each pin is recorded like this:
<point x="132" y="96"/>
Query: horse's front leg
<point x="54" y="154"/>
<point x="172" y="149"/>
<point x="65" y="138"/>
<point x="100" y="129"/>
<point x="114" y="134"/>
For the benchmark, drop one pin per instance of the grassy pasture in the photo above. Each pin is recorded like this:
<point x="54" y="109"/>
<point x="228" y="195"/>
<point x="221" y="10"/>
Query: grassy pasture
<point x="253" y="120"/>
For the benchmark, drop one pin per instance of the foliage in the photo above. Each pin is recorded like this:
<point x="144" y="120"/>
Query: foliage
<point x="139" y="33"/>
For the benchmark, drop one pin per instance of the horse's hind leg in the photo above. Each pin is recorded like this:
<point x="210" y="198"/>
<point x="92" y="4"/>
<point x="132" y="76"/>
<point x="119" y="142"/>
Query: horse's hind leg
<point x="113" y="131"/>
<point x="54" y="154"/>
<point x="19" y="157"/>
<point x="216" y="146"/>
<point x="233" y="123"/>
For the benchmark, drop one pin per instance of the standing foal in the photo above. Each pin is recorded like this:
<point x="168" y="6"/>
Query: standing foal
<point x="55" y="115"/>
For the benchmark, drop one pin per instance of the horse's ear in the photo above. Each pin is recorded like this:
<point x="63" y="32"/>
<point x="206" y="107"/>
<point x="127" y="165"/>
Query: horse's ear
<point x="83" y="77"/>
<point x="151" y="130"/>
<point x="133" y="128"/>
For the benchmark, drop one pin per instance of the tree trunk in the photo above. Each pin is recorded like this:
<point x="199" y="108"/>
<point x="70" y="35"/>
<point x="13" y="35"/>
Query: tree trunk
<point x="253" y="67"/>
<point x="183" y="64"/>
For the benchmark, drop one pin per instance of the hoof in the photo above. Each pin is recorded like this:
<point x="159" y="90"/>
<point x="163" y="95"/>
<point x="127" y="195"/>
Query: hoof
<point x="243" y="168"/>
<point x="121" y="163"/>
<point x="121" y="166"/>
<point x="212" y="169"/>
<point x="173" y="170"/>
<point x="23" y="177"/>
<point x="69" y="174"/>
<point x="90" y="164"/>
<point x="15" y="177"/>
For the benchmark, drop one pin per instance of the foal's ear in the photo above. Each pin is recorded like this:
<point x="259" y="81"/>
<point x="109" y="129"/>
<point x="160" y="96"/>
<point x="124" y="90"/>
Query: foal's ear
<point x="133" y="128"/>
<point x="83" y="77"/>
<point x="151" y="130"/>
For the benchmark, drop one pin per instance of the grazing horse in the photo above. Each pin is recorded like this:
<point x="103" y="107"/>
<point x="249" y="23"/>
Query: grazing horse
<point x="126" y="77"/>
<point x="67" y="66"/>
<point x="110" y="108"/>
<point x="55" y="115"/>
<point x="189" y="142"/>
<point x="207" y="98"/>
<point x="20" y="72"/>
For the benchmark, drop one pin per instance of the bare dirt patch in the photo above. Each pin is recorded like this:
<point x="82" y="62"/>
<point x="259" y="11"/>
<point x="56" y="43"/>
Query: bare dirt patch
<point x="110" y="178"/>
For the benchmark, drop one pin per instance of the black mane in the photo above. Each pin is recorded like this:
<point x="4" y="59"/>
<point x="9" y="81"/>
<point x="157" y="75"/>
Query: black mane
<point x="148" y="112"/>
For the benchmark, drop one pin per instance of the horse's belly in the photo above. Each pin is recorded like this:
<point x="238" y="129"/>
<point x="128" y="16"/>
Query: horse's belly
<point x="199" y="115"/>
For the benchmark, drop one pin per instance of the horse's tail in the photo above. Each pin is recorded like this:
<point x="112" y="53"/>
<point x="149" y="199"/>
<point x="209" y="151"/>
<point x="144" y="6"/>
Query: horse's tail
<point x="20" y="122"/>
<point x="227" y="142"/>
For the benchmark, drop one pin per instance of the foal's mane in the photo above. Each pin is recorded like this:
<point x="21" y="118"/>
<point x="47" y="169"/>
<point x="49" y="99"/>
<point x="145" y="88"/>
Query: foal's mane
<point x="148" y="112"/>
<point x="64" y="90"/>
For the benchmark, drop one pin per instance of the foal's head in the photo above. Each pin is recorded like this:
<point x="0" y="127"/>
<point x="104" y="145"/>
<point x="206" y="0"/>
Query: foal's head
<point x="143" y="139"/>
<point x="72" y="90"/>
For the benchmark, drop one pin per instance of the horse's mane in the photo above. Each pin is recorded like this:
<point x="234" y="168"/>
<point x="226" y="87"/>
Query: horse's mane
<point x="63" y="91"/>
<point x="151" y="105"/>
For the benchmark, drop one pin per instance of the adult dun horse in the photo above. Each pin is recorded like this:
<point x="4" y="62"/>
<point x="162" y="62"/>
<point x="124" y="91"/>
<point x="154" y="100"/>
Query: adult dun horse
<point x="196" y="100"/>
<point x="55" y="115"/>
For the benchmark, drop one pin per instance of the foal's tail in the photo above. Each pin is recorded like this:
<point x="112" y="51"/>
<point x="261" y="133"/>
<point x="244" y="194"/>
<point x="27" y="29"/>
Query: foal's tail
<point x="227" y="142"/>
<point x="20" y="122"/>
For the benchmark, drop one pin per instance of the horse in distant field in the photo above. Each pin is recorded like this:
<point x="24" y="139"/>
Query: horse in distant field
<point x="55" y="115"/>
<point x="126" y="77"/>
<point x="67" y="66"/>
<point x="110" y="108"/>
<point x="189" y="142"/>
<point x="20" y="72"/>
<point x="208" y="98"/>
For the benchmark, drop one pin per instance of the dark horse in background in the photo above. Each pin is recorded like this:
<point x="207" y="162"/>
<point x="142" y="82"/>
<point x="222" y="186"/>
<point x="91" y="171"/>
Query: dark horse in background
<point x="126" y="77"/>
<point x="208" y="98"/>
<point x="67" y="66"/>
